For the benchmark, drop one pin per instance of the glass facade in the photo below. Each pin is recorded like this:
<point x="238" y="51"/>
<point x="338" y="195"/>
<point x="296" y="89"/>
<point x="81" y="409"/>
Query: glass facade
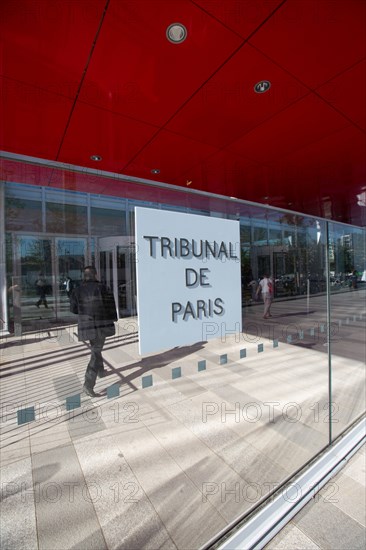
<point x="245" y="415"/>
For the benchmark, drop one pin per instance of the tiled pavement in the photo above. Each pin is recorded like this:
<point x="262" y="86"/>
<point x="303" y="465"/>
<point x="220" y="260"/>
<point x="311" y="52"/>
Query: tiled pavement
<point x="335" y="518"/>
<point x="169" y="466"/>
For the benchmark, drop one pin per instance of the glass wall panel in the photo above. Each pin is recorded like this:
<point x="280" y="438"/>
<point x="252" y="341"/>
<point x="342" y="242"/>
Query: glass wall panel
<point x="348" y="331"/>
<point x="260" y="233"/>
<point x="23" y="214"/>
<point x="66" y="218"/>
<point x="107" y="222"/>
<point x="227" y="420"/>
<point x="275" y="235"/>
<point x="292" y="250"/>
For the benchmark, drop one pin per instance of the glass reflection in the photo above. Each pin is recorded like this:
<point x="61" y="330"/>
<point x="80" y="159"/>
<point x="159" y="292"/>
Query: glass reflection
<point x="70" y="264"/>
<point x="347" y="278"/>
<point x="34" y="267"/>
<point x="252" y="422"/>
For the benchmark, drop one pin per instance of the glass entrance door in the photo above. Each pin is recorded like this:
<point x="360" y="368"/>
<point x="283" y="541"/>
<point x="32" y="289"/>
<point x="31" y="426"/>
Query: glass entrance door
<point x="45" y="271"/>
<point x="117" y="271"/>
<point x="34" y="277"/>
<point x="106" y="268"/>
<point x="126" y="280"/>
<point x="69" y="271"/>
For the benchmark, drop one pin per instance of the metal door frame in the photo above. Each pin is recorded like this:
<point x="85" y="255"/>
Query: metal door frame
<point x="110" y="244"/>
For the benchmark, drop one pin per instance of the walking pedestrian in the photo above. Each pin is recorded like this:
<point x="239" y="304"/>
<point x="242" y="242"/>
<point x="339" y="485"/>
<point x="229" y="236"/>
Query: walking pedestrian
<point x="96" y="310"/>
<point x="266" y="288"/>
<point x="41" y="286"/>
<point x="69" y="285"/>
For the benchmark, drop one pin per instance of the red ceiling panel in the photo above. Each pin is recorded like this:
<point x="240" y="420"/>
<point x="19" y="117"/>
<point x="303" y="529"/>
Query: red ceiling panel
<point x="221" y="173"/>
<point x="242" y="16"/>
<point x="263" y="184"/>
<point x="137" y="72"/>
<point x="47" y="43"/>
<point x="34" y="120"/>
<point x="321" y="162"/>
<point x="169" y="153"/>
<point x="317" y="177"/>
<point x="304" y="122"/>
<point x="347" y="92"/>
<point x="189" y="110"/>
<point x="315" y="39"/>
<point x="228" y="107"/>
<point x="95" y="131"/>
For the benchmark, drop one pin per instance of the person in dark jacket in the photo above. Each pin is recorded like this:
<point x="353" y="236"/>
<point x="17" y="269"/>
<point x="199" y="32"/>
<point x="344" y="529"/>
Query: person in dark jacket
<point x="41" y="286"/>
<point x="96" y="310"/>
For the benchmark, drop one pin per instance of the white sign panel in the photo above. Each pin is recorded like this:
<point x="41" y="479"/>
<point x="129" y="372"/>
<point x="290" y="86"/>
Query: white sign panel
<point x="188" y="278"/>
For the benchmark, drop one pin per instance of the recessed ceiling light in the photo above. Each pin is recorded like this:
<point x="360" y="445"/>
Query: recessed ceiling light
<point x="176" y="33"/>
<point x="97" y="158"/>
<point x="155" y="171"/>
<point x="262" y="86"/>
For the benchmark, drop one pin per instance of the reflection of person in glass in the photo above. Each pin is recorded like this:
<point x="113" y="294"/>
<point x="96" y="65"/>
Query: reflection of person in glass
<point x="253" y="285"/>
<point x="69" y="285"/>
<point x="266" y="288"/>
<point x="41" y="286"/>
<point x="353" y="280"/>
<point x="96" y="311"/>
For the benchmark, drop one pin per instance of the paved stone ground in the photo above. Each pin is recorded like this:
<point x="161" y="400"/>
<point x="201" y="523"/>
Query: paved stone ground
<point x="170" y="465"/>
<point x="335" y="519"/>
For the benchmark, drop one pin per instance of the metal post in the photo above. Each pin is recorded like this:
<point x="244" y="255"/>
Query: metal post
<point x="4" y="315"/>
<point x="16" y="290"/>
<point x="327" y="270"/>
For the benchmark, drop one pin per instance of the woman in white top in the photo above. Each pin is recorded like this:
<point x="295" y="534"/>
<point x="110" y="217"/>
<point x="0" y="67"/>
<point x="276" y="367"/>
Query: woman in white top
<point x="266" y="287"/>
